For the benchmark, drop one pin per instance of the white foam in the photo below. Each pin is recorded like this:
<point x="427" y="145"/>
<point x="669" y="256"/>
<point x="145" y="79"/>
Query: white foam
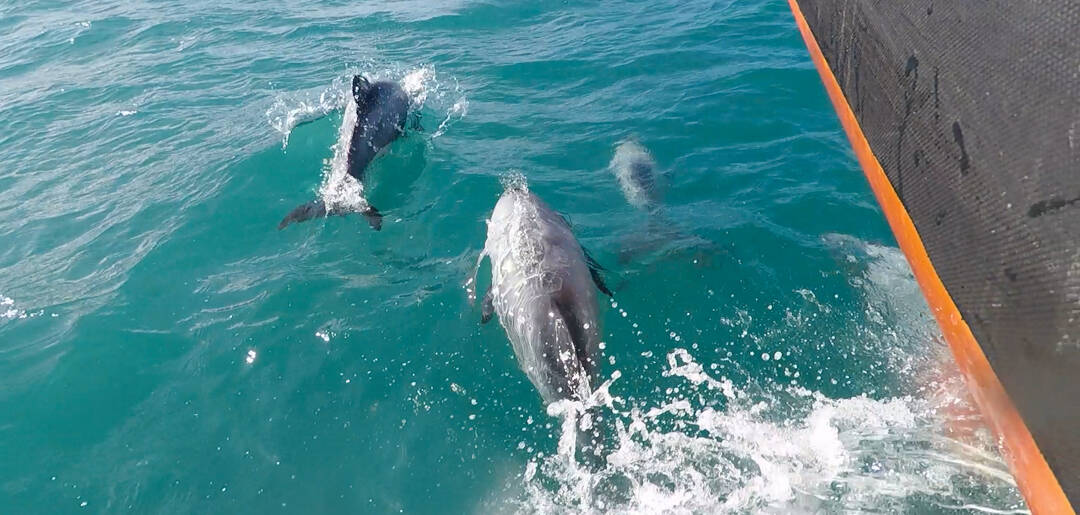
<point x="9" y="311"/>
<point x="836" y="455"/>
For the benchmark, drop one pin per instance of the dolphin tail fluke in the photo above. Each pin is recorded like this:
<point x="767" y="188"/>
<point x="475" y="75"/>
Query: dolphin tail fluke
<point x="374" y="217"/>
<point x="303" y="212"/>
<point x="318" y="209"/>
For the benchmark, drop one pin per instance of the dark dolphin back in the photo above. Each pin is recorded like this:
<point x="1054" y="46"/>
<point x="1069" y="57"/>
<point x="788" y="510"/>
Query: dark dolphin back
<point x="382" y="111"/>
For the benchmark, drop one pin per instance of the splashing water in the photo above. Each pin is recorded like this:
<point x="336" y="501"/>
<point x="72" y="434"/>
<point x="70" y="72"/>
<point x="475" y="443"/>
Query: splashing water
<point x="160" y="272"/>
<point x="514" y="180"/>
<point x="688" y="454"/>
<point x="339" y="190"/>
<point x="429" y="95"/>
<point x="290" y="110"/>
<point x="456" y="112"/>
<point x="417" y="84"/>
<point x="448" y="101"/>
<point x="713" y="444"/>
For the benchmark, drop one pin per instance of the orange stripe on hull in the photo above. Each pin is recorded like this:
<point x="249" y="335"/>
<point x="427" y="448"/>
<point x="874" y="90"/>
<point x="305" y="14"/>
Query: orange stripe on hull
<point x="1036" y="481"/>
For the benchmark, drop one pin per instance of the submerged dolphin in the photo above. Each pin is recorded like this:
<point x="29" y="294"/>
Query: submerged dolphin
<point x="381" y="111"/>
<point x="635" y="170"/>
<point x="542" y="290"/>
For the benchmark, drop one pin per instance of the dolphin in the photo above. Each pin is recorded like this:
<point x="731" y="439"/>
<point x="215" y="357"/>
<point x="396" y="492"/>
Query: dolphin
<point x="381" y="111"/>
<point x="542" y="290"/>
<point x="635" y="170"/>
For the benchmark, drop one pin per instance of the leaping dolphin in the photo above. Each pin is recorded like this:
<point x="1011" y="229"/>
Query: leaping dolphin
<point x="542" y="290"/>
<point x="381" y="111"/>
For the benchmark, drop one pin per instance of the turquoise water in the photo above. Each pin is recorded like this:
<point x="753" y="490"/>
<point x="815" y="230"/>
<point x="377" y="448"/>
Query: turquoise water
<point x="164" y="349"/>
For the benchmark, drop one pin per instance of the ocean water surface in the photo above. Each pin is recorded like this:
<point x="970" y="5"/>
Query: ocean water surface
<point x="165" y="349"/>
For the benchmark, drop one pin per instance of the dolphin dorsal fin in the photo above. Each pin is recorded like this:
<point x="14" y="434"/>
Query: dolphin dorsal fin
<point x="360" y="86"/>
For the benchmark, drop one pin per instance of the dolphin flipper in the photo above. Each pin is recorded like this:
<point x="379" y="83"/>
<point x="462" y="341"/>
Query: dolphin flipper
<point x="594" y="271"/>
<point x="303" y="212"/>
<point x="599" y="282"/>
<point x="487" y="307"/>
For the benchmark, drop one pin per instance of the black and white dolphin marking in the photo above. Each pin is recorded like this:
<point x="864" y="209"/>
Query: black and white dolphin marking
<point x="381" y="110"/>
